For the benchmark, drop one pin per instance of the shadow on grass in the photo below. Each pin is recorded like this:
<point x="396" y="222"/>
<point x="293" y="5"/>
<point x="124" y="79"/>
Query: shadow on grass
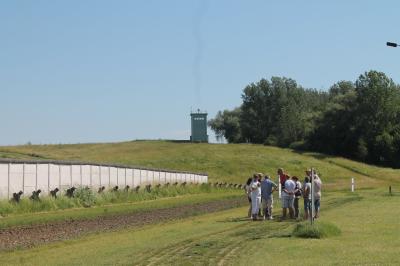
<point x="320" y="156"/>
<point x="235" y="220"/>
<point x="339" y="202"/>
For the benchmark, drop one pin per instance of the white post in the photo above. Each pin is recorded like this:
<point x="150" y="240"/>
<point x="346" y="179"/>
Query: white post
<point x="80" y="173"/>
<point x="8" y="181"/>
<point x="279" y="187"/>
<point x="36" y="176"/>
<point x="70" y="174"/>
<point x="48" y="178"/>
<point x="312" y="196"/>
<point x="59" y="176"/>
<point x="140" y="177"/>
<point x="109" y="176"/>
<point x="91" y="176"/>
<point x="352" y="184"/>
<point x="23" y="178"/>
<point x="117" y="177"/>
<point x="159" y="177"/>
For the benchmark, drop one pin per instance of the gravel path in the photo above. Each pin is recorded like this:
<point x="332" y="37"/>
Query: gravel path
<point x="24" y="237"/>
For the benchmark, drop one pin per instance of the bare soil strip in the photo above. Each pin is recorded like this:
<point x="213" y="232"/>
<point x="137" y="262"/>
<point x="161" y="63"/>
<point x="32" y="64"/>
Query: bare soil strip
<point x="23" y="237"/>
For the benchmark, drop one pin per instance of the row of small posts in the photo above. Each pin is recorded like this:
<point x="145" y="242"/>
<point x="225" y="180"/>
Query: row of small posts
<point x="28" y="177"/>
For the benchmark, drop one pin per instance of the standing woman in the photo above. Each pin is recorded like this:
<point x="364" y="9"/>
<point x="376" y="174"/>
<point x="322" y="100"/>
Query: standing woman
<point x="255" y="197"/>
<point x="247" y="190"/>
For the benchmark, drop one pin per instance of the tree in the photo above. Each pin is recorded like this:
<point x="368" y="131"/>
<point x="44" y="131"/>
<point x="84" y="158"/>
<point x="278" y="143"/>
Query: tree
<point x="358" y="120"/>
<point x="378" y="113"/>
<point x="226" y="124"/>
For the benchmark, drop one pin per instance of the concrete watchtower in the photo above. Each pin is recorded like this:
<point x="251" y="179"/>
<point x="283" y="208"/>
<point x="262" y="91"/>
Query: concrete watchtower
<point x="199" y="127"/>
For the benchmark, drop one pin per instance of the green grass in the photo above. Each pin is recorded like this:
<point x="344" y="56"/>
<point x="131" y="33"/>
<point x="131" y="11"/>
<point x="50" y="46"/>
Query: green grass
<point x="369" y="235"/>
<point x="230" y="163"/>
<point x="354" y="228"/>
<point x="86" y="198"/>
<point x="28" y="219"/>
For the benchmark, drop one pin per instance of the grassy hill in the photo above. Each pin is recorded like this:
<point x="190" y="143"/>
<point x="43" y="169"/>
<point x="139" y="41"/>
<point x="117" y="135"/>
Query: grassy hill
<point x="230" y="162"/>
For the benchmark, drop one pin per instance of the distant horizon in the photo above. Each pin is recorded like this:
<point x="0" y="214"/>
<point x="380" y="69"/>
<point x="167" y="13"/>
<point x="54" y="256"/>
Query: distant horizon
<point x="110" y="142"/>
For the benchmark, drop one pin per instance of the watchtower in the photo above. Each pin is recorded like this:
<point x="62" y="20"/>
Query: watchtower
<point x="199" y="127"/>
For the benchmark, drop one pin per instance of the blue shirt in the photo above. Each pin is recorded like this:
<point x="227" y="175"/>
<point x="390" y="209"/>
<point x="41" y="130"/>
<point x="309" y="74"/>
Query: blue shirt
<point x="266" y="188"/>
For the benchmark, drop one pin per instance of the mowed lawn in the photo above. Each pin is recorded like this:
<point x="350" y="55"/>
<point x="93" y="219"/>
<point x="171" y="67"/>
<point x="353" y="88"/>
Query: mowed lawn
<point x="368" y="220"/>
<point x="231" y="163"/>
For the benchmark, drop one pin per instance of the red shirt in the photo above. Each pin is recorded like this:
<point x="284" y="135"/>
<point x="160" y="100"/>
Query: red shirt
<point x="283" y="178"/>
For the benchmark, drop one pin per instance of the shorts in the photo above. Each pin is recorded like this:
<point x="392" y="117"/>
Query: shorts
<point x="287" y="202"/>
<point x="317" y="204"/>
<point x="307" y="205"/>
<point x="267" y="203"/>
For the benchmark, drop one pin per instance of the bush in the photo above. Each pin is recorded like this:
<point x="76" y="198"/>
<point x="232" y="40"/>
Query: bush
<point x="298" y="145"/>
<point x="271" y="141"/>
<point x="318" y="230"/>
<point x="85" y="197"/>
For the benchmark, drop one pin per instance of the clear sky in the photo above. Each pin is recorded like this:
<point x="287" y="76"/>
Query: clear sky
<point x="98" y="71"/>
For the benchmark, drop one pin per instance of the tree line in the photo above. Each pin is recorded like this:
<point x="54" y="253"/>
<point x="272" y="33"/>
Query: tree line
<point x="358" y="120"/>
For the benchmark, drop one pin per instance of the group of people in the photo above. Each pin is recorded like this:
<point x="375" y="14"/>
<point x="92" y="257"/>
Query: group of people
<point x="260" y="189"/>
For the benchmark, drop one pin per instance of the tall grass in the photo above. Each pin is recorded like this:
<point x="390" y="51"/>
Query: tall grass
<point x="84" y="197"/>
<point x="318" y="230"/>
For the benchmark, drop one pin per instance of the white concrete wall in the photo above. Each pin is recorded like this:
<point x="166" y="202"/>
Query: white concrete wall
<point x="27" y="177"/>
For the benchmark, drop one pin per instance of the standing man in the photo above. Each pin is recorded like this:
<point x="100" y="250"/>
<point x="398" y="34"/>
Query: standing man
<point x="255" y="187"/>
<point x="297" y="196"/>
<point x="267" y="188"/>
<point x="282" y="177"/>
<point x="317" y="195"/>
<point x="288" y="198"/>
<point x="307" y="198"/>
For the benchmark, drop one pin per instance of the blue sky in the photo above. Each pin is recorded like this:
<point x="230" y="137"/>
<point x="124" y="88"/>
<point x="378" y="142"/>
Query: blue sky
<point x="98" y="71"/>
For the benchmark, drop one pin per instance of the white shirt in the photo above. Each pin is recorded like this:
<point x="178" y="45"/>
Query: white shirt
<point x="307" y="186"/>
<point x="317" y="187"/>
<point x="255" y="189"/>
<point x="298" y="183"/>
<point x="290" y="185"/>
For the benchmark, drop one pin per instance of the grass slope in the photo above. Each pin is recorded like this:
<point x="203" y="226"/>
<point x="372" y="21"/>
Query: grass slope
<point x="367" y="220"/>
<point x="231" y="162"/>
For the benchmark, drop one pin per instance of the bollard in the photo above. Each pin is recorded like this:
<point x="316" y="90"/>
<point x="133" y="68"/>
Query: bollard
<point x="352" y="184"/>
<point x="390" y="190"/>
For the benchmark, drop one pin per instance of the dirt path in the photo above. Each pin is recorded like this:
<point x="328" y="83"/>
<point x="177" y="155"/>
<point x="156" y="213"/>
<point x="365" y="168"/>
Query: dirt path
<point x="40" y="234"/>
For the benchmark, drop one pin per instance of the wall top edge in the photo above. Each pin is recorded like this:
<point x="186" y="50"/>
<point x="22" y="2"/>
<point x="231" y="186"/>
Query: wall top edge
<point x="61" y="162"/>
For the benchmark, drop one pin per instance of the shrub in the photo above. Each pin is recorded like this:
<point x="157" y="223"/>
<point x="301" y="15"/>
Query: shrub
<point x="298" y="145"/>
<point x="318" y="230"/>
<point x="85" y="197"/>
